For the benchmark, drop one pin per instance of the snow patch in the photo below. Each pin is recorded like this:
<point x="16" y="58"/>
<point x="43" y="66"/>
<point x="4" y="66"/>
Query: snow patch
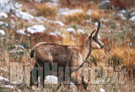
<point x="2" y="32"/>
<point x="36" y="28"/>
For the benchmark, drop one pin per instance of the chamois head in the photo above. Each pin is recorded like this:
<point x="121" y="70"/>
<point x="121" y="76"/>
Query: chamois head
<point x="95" y="42"/>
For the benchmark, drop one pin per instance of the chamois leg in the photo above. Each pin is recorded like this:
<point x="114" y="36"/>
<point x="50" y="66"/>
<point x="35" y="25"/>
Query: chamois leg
<point x="34" y="75"/>
<point x="42" y="77"/>
<point x="78" y="80"/>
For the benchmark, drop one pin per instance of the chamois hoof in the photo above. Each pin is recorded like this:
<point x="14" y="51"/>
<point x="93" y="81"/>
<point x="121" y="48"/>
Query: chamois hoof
<point x="35" y="83"/>
<point x="35" y="87"/>
<point x="85" y="87"/>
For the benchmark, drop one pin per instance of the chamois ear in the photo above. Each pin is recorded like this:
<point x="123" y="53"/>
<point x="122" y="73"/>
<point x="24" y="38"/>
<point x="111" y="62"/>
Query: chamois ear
<point x="91" y="35"/>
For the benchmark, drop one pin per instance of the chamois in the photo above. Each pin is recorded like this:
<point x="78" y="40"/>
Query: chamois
<point x="65" y="56"/>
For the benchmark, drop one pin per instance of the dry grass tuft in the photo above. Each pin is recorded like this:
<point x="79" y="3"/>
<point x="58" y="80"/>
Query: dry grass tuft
<point x="123" y="55"/>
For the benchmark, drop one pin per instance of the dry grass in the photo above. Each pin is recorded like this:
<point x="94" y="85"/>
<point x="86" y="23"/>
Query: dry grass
<point x="97" y="14"/>
<point x="112" y="53"/>
<point x="46" y="10"/>
<point x="77" y="17"/>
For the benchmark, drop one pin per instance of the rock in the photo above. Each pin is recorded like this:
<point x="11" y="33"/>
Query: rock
<point x="19" y="46"/>
<point x="33" y="29"/>
<point x="3" y="5"/>
<point x="105" y="4"/>
<point x="55" y="33"/>
<point x="36" y="28"/>
<point x="12" y="23"/>
<point x="132" y="18"/>
<point x="37" y="1"/>
<point x="80" y="31"/>
<point x="70" y="30"/>
<point x="40" y="19"/>
<point x="21" y="31"/>
<point x="2" y="79"/>
<point x="63" y="10"/>
<point x="2" y="32"/>
<point x="89" y="12"/>
<point x="55" y="1"/>
<point x="71" y="12"/>
<point x="50" y="79"/>
<point x="15" y="82"/>
<point x="132" y="14"/>
<point x="16" y="51"/>
<point x="101" y="90"/>
<point x="123" y="11"/>
<point x="57" y="22"/>
<point x="72" y="86"/>
<point x="8" y="86"/>
<point x="3" y="15"/>
<point x="52" y="3"/>
<point x="1" y="23"/>
<point x="60" y="23"/>
<point x="7" y="5"/>
<point x="4" y="69"/>
<point x="19" y="90"/>
<point x="18" y="6"/>
<point x="121" y="16"/>
<point x="104" y="20"/>
<point x="23" y="15"/>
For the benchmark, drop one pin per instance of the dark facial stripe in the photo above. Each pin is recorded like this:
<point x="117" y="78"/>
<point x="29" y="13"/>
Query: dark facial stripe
<point x="98" y="42"/>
